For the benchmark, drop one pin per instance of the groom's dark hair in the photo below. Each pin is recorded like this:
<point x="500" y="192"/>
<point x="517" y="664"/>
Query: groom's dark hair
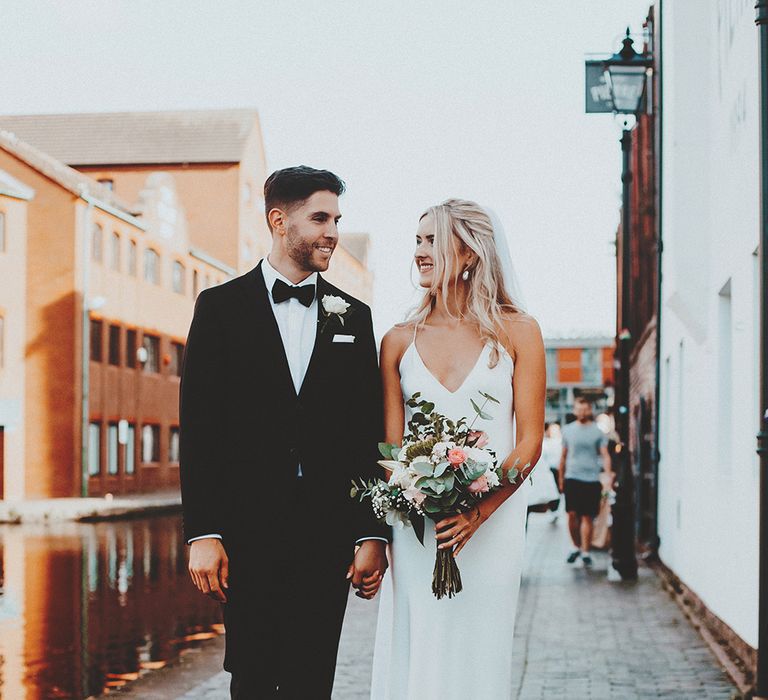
<point x="290" y="187"/>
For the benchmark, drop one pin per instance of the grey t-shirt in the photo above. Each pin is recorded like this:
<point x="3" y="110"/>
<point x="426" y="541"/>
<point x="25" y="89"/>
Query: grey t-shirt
<point x="583" y="461"/>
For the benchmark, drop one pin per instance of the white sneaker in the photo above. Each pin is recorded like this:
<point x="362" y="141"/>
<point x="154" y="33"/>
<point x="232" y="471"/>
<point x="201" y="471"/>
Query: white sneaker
<point x="613" y="575"/>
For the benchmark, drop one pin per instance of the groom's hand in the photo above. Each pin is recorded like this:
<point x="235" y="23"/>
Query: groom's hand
<point x="209" y="567"/>
<point x="368" y="567"/>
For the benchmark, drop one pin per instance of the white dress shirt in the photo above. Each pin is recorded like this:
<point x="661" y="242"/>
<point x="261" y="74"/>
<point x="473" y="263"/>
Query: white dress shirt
<point x="298" y="328"/>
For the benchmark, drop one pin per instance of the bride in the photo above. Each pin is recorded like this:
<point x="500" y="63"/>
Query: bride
<point x="467" y="335"/>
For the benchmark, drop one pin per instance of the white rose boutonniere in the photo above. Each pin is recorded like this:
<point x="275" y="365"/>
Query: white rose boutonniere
<point x="334" y="306"/>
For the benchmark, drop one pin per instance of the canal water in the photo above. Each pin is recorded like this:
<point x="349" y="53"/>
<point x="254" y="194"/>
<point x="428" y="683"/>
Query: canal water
<point x="85" y="608"/>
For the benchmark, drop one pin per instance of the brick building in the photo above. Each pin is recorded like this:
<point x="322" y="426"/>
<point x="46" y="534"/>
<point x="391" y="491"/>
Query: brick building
<point x="14" y="203"/>
<point x="117" y="264"/>
<point x="578" y="366"/>
<point x="79" y="242"/>
<point x="642" y="320"/>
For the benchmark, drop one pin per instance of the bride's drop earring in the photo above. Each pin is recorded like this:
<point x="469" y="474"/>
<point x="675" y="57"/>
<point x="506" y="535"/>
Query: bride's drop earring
<point x="465" y="275"/>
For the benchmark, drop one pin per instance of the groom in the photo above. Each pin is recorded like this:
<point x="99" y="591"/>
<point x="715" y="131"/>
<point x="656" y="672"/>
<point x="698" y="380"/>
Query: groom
<point x="280" y="409"/>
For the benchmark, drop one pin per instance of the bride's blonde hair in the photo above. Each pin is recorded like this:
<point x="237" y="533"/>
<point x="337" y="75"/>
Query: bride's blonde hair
<point x="487" y="300"/>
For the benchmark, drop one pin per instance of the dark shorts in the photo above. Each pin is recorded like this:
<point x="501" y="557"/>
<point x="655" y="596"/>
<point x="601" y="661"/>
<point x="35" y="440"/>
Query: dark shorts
<point x="583" y="497"/>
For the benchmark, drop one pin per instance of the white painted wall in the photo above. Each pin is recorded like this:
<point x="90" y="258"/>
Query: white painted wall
<point x="708" y="474"/>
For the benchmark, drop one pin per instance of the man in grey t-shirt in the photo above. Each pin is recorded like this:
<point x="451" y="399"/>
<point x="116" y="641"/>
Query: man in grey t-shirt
<point x="585" y="455"/>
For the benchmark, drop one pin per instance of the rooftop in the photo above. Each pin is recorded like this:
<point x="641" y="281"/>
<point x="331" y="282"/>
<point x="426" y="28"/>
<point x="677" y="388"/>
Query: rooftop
<point x="68" y="178"/>
<point x="112" y="138"/>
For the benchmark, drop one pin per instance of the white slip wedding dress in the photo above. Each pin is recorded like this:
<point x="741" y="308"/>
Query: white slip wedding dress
<point x="455" y="648"/>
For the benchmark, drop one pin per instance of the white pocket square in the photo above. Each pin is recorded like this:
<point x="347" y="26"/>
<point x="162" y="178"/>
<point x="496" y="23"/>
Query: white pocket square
<point x="339" y="338"/>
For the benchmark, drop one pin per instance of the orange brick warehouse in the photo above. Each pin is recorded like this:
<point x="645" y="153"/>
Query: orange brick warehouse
<point x="157" y="207"/>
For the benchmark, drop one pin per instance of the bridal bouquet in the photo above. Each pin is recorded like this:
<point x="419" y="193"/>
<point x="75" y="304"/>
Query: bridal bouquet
<point x="442" y="468"/>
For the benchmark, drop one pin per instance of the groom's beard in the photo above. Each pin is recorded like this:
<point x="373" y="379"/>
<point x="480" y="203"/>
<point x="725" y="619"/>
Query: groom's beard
<point x="303" y="252"/>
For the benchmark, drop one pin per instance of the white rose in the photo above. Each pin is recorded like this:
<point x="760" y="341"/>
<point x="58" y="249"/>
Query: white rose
<point x="441" y="448"/>
<point x="478" y="455"/>
<point x="334" y="305"/>
<point x="493" y="478"/>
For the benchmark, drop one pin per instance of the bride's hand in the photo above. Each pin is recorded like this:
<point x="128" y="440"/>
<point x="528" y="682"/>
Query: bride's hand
<point x="456" y="530"/>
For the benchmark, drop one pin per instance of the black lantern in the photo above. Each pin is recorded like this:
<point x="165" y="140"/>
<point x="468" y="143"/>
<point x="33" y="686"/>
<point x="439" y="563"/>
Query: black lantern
<point x="626" y="76"/>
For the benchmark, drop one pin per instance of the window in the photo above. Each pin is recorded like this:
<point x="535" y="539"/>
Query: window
<point x="152" y="346"/>
<point x="151" y="266"/>
<point x="591" y="367"/>
<point x="112" y="448"/>
<point x="114" y="252"/>
<point x="178" y="277"/>
<point x="130" y="450"/>
<point x="177" y="357"/>
<point x="97" y="242"/>
<point x="114" y="345"/>
<point x="2" y="231"/>
<point x="96" y="340"/>
<point x="150" y="443"/>
<point x="551" y="360"/>
<point x="173" y="445"/>
<point x="130" y="348"/>
<point x="108" y="182"/>
<point x="195" y="284"/>
<point x="94" y="449"/>
<point x="132" y="258"/>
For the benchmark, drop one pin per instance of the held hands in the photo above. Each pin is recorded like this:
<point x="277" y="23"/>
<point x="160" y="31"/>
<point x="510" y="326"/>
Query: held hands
<point x="209" y="568"/>
<point x="456" y="530"/>
<point x="367" y="569"/>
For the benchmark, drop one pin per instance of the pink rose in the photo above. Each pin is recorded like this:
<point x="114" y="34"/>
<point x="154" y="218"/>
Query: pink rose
<point x="479" y="485"/>
<point x="480" y="437"/>
<point x="456" y="457"/>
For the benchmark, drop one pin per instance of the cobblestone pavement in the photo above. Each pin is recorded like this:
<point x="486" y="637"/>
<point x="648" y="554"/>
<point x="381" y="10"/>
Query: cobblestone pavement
<point x="578" y="637"/>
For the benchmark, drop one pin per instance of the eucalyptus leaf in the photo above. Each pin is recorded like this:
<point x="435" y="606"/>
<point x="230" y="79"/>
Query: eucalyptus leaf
<point x="389" y="450"/>
<point x="440" y="468"/>
<point x="427" y="407"/>
<point x="489" y="397"/>
<point x="423" y="468"/>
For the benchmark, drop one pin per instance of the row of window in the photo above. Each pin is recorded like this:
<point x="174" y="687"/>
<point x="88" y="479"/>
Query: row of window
<point x="149" y="447"/>
<point x="147" y="354"/>
<point x="2" y="231"/>
<point x="152" y="263"/>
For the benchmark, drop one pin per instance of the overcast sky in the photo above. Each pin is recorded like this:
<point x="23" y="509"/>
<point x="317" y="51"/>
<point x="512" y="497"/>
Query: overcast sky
<point x="409" y="102"/>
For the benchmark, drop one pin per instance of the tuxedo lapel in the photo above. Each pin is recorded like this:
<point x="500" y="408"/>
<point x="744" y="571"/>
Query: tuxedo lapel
<point x="269" y="340"/>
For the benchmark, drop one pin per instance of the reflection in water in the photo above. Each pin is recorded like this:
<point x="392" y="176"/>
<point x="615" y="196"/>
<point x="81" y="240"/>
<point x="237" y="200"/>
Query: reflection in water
<point x="86" y="607"/>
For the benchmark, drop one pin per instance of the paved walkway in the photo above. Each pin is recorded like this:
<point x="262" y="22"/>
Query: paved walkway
<point x="577" y="637"/>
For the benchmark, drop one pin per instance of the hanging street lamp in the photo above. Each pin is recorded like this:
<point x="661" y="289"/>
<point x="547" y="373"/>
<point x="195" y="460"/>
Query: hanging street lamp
<point x="619" y="84"/>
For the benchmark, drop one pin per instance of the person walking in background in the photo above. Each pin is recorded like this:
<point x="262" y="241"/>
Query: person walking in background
<point x="551" y="450"/>
<point x="585" y="447"/>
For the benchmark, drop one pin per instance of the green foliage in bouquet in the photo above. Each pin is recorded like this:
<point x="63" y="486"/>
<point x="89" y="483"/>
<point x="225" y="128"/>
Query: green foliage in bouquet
<point x="442" y="469"/>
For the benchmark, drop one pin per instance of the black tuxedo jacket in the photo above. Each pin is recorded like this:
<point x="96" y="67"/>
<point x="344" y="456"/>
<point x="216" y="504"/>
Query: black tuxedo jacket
<point x="244" y="430"/>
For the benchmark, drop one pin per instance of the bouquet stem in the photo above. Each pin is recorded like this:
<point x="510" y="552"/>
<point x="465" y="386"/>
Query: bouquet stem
<point x="446" y="579"/>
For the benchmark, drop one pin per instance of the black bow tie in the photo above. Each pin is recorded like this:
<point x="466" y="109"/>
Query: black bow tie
<point x="282" y="292"/>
